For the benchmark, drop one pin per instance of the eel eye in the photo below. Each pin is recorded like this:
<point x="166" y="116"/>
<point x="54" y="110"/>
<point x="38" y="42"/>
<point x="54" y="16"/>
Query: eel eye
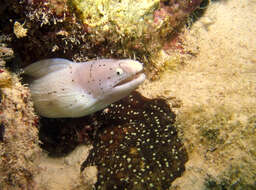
<point x="119" y="71"/>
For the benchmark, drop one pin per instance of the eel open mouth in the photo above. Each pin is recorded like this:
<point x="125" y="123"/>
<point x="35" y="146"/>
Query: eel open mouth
<point x="129" y="79"/>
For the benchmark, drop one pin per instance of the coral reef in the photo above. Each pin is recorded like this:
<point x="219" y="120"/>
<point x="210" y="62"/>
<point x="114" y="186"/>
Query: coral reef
<point x="18" y="134"/>
<point x="137" y="146"/>
<point x="82" y="30"/>
<point x="215" y="121"/>
<point x="37" y="29"/>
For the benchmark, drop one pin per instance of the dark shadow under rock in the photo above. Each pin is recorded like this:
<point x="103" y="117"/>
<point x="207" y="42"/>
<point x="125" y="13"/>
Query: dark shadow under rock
<point x="60" y="136"/>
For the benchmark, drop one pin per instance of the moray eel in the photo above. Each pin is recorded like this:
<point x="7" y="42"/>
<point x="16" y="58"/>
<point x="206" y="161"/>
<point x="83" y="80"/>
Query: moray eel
<point x="61" y="88"/>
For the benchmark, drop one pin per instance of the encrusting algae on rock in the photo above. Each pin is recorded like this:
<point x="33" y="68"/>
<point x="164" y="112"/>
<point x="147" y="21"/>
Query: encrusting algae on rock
<point x="137" y="146"/>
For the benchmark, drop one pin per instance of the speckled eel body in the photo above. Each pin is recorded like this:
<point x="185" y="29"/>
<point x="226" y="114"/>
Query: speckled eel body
<point x="61" y="88"/>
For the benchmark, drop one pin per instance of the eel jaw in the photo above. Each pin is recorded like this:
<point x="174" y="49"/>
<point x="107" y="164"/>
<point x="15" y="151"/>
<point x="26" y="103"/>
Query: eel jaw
<point x="130" y="79"/>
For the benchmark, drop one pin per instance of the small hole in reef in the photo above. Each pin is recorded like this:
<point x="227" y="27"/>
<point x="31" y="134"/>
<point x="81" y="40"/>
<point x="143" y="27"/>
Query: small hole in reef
<point x="198" y="13"/>
<point x="61" y="136"/>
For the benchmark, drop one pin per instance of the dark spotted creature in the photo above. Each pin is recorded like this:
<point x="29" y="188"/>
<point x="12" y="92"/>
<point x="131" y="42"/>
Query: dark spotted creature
<point x="137" y="147"/>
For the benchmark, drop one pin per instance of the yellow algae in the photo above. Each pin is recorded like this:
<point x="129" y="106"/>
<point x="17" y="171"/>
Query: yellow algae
<point x="19" y="30"/>
<point x="125" y="16"/>
<point x="128" y="26"/>
<point x="5" y="78"/>
<point x="161" y="61"/>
